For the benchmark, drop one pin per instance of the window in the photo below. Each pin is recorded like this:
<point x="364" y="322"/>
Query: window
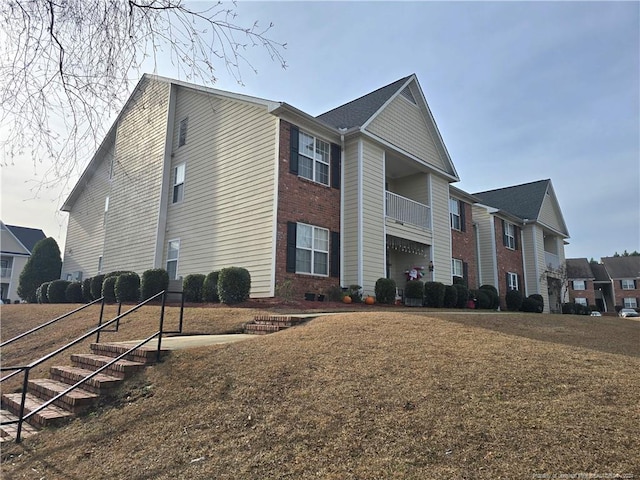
<point x="628" y="284"/>
<point x="457" y="268"/>
<point x="313" y="158"/>
<point x="581" y="301"/>
<point x="454" y="209"/>
<point x="630" y="303"/>
<point x="182" y="138"/>
<point x="312" y="250"/>
<point x="510" y="235"/>
<point x="178" y="182"/>
<point x="512" y="281"/>
<point x="106" y="210"/>
<point x="579" y="285"/>
<point x="100" y="264"/>
<point x="172" y="259"/>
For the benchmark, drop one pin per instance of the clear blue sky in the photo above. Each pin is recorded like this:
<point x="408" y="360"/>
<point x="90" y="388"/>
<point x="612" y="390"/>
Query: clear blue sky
<point x="521" y="91"/>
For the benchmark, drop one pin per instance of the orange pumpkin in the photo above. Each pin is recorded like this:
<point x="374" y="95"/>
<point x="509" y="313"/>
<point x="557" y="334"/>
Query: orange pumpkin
<point x="370" y="300"/>
<point x="346" y="299"/>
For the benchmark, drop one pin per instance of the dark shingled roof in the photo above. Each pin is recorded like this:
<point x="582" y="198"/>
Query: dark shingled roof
<point x="622" y="267"/>
<point x="579" y="268"/>
<point x="27" y="236"/>
<point x="358" y="111"/>
<point x="523" y="201"/>
<point x="600" y="273"/>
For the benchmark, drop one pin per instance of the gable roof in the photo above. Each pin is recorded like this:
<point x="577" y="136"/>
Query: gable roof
<point x="600" y="273"/>
<point x="579" y="268"/>
<point x="524" y="201"/>
<point x="622" y="267"/>
<point x="28" y="237"/>
<point x="358" y="111"/>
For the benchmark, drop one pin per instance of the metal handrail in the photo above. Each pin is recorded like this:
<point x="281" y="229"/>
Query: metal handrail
<point x="35" y="329"/>
<point x="27" y="368"/>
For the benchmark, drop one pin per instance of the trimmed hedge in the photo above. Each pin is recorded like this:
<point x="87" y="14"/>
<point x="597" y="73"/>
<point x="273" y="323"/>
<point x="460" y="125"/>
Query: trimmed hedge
<point x="234" y="285"/>
<point x="533" y="304"/>
<point x="450" y="296"/>
<point x="96" y="286"/>
<point x="434" y="293"/>
<point x="41" y="293"/>
<point x="108" y="289"/>
<point x="192" y="287"/>
<point x="153" y="282"/>
<point x="385" y="291"/>
<point x="482" y="299"/>
<point x="463" y="295"/>
<point x="494" y="298"/>
<point x="513" y="299"/>
<point x="86" y="291"/>
<point x="73" y="293"/>
<point x="127" y="287"/>
<point x="414" y="289"/>
<point x="57" y="291"/>
<point x="210" y="288"/>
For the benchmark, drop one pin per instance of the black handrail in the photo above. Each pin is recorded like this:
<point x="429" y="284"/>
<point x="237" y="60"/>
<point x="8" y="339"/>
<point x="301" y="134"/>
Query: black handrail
<point x="27" y="368"/>
<point x="35" y="329"/>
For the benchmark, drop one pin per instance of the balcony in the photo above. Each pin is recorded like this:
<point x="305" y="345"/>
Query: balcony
<point x="551" y="260"/>
<point x="407" y="211"/>
<point x="5" y="272"/>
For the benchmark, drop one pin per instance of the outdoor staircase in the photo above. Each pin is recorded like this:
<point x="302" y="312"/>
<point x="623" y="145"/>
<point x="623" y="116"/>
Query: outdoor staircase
<point x="80" y="399"/>
<point x="263" y="324"/>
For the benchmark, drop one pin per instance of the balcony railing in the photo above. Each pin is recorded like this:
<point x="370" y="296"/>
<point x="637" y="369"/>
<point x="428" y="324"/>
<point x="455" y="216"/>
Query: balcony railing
<point x="408" y="211"/>
<point x="552" y="260"/>
<point x="5" y="272"/>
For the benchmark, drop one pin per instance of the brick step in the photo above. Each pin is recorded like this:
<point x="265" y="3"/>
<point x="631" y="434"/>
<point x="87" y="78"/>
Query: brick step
<point x="98" y="384"/>
<point x="120" y="369"/>
<point x="284" y="320"/>
<point x="8" y="433"/>
<point x="256" y="329"/>
<point x="146" y="355"/>
<point x="51" y="415"/>
<point x="74" y="401"/>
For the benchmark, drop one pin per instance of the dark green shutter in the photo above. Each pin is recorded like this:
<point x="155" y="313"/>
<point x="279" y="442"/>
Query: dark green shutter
<point x="336" y="159"/>
<point x="506" y="280"/>
<point x="334" y="262"/>
<point x="294" y="142"/>
<point x="465" y="273"/>
<point x="516" y="231"/>
<point x="504" y="233"/>
<point x="463" y="221"/>
<point x="291" y="246"/>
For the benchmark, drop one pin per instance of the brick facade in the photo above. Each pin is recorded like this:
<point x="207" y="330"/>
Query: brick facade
<point x="509" y="261"/>
<point x="621" y="294"/>
<point x="463" y="245"/>
<point x="305" y="201"/>
<point x="588" y="292"/>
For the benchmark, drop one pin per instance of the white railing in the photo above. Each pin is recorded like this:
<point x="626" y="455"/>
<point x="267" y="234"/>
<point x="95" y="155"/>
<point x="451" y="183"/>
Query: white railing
<point x="5" y="272"/>
<point x="552" y="260"/>
<point x="408" y="211"/>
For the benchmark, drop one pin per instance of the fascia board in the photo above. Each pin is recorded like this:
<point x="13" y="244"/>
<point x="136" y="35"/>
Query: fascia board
<point x="297" y="116"/>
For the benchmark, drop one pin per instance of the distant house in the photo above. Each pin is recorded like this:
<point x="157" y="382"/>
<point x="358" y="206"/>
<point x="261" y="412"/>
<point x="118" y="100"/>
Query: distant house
<point x="581" y="283"/>
<point x="16" y="244"/>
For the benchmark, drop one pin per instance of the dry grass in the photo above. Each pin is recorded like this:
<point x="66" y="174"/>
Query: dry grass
<point x="386" y="394"/>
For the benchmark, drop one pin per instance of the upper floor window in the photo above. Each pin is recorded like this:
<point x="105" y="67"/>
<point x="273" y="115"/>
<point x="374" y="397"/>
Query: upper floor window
<point x="457" y="268"/>
<point x="454" y="213"/>
<point x="512" y="281"/>
<point x="178" y="182"/>
<point x="182" y="137"/>
<point x="628" y="284"/>
<point x="173" y="251"/>
<point x="312" y="250"/>
<point x="510" y="235"/>
<point x="579" y="285"/>
<point x="313" y="159"/>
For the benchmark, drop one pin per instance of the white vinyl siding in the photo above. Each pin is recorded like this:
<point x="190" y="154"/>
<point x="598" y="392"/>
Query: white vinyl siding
<point x="351" y="224"/>
<point x="226" y="219"/>
<point x="441" y="230"/>
<point x="486" y="261"/>
<point x="550" y="214"/>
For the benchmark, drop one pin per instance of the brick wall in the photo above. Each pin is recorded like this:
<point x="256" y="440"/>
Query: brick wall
<point x="301" y="200"/>
<point x="463" y="246"/>
<point x="621" y="294"/>
<point x="587" y="293"/>
<point x="508" y="261"/>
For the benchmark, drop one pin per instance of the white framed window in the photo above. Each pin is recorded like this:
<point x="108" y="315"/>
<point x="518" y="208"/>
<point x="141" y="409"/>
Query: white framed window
<point x="106" y="210"/>
<point x="512" y="281"/>
<point x="579" y="285"/>
<point x="454" y="213"/>
<point x="630" y="302"/>
<point x="581" y="301"/>
<point x="173" y="252"/>
<point x="182" y="137"/>
<point x="628" y="284"/>
<point x="456" y="267"/>
<point x="100" y="264"/>
<point x="510" y="235"/>
<point x="312" y="250"/>
<point x="178" y="182"/>
<point x="313" y="159"/>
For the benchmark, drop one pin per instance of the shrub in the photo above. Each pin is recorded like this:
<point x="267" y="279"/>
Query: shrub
<point x="494" y="298"/>
<point x="73" y="293"/>
<point x="569" y="308"/>
<point x="434" y="294"/>
<point x="414" y="289"/>
<point x="210" y="288"/>
<point x="57" y="291"/>
<point x="41" y="293"/>
<point x="385" y="291"/>
<point x="86" y="291"/>
<point x="450" y="296"/>
<point x="234" y="285"/>
<point x="533" y="303"/>
<point x="96" y="286"/>
<point x="463" y="295"/>
<point x="117" y="273"/>
<point x="108" y="289"/>
<point x="355" y="292"/>
<point x="153" y="282"/>
<point x="127" y="287"/>
<point x="334" y="293"/>
<point x="582" y="309"/>
<point x="192" y="287"/>
<point x="44" y="265"/>
<point x="482" y="298"/>
<point x="513" y="299"/>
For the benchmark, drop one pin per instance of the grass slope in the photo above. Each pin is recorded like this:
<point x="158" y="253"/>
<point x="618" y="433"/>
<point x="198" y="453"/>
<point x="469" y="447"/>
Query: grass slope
<point x="382" y="394"/>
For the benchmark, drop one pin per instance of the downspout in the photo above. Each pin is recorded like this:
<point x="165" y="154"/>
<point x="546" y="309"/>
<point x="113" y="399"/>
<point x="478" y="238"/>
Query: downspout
<point x="342" y="168"/>
<point x="524" y="262"/>
<point x="360" y="214"/>
<point x="478" y="260"/>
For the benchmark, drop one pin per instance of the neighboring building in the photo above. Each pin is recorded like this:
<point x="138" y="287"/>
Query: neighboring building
<point x="194" y="179"/>
<point x="16" y="244"/>
<point x="624" y="273"/>
<point x="581" y="282"/>
<point x="522" y="234"/>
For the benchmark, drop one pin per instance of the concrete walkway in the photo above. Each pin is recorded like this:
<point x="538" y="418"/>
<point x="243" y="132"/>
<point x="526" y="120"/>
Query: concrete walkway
<point x="193" y="341"/>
